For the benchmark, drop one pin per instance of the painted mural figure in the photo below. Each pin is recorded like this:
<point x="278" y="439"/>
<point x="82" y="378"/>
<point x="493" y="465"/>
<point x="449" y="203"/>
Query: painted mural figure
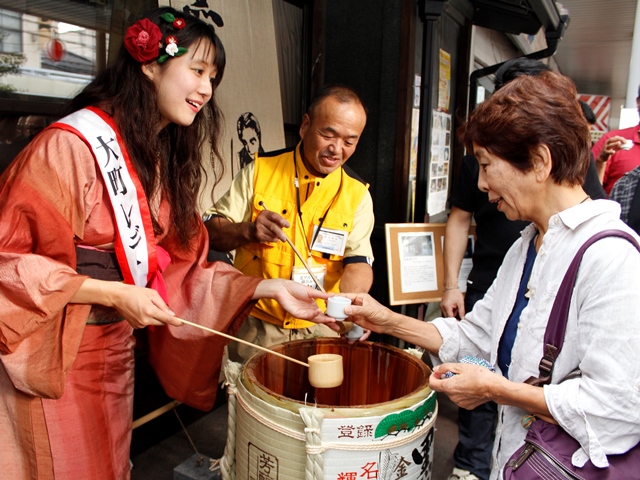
<point x="251" y="138"/>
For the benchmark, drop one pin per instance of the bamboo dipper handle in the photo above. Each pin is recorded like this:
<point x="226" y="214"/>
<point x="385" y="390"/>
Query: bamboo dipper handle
<point x="306" y="265"/>
<point x="245" y="342"/>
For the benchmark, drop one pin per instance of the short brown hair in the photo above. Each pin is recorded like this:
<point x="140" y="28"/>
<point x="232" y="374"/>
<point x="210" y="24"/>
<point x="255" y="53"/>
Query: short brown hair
<point x="530" y="111"/>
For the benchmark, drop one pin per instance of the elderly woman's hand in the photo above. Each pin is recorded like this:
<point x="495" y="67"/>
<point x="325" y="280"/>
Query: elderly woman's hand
<point x="367" y="312"/>
<point x="472" y="385"/>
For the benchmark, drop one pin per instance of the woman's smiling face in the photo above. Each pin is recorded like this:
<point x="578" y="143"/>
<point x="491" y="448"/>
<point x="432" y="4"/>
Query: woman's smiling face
<point x="184" y="83"/>
<point x="506" y="185"/>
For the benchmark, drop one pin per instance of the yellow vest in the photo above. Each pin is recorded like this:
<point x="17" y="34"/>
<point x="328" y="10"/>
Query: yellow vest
<point x="274" y="185"/>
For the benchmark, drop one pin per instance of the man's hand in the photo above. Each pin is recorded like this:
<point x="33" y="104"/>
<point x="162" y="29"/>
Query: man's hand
<point x="611" y="146"/>
<point x="225" y="236"/>
<point x="452" y="303"/>
<point x="268" y="227"/>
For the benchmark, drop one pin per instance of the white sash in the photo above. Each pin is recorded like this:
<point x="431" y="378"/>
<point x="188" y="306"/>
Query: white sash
<point x="135" y="241"/>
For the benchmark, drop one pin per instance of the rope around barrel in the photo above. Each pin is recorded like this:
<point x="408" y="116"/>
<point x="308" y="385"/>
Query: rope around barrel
<point x="312" y="417"/>
<point x="227" y="463"/>
<point x="323" y="447"/>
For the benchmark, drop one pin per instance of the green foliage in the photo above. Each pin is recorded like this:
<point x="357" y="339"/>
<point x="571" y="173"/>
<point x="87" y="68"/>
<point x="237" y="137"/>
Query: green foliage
<point x="9" y="64"/>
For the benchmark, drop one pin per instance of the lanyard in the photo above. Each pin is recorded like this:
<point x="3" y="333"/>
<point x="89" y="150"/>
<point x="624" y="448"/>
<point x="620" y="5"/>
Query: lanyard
<point x="299" y="205"/>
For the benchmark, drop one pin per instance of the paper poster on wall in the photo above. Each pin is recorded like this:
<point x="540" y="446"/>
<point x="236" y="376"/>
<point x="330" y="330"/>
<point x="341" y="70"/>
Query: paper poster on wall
<point x="439" y="162"/>
<point x="417" y="262"/>
<point x="249" y="94"/>
<point x="444" y="81"/>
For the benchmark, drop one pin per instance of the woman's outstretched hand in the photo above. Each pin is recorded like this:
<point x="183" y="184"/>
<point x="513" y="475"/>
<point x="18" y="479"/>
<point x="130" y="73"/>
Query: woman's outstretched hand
<point x="368" y="313"/>
<point x="297" y="299"/>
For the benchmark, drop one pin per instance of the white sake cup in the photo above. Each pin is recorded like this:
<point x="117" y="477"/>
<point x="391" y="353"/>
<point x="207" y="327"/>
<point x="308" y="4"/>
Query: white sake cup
<point x="335" y="307"/>
<point x="355" y="333"/>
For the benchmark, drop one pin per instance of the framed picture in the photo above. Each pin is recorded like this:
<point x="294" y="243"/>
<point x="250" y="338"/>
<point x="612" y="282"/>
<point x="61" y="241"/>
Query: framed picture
<point x="415" y="265"/>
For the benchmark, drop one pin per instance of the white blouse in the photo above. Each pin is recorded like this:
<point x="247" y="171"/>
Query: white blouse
<point x="602" y="408"/>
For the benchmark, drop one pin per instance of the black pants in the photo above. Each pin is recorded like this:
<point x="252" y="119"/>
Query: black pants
<point x="476" y="427"/>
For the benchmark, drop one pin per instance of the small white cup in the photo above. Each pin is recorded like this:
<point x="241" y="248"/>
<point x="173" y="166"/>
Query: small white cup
<point x="335" y="307"/>
<point x="627" y="145"/>
<point x="355" y="333"/>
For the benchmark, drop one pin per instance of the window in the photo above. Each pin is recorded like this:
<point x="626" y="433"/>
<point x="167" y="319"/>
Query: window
<point x="10" y="32"/>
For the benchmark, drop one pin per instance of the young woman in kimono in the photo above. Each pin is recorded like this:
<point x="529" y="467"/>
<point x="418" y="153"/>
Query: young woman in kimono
<point x="99" y="235"/>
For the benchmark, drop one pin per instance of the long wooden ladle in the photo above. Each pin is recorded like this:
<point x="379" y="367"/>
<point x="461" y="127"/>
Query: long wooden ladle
<point x="325" y="369"/>
<point x="297" y="252"/>
<point x="345" y="327"/>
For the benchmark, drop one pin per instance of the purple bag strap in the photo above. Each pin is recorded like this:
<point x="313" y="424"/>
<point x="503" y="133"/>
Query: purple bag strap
<point x="557" y="325"/>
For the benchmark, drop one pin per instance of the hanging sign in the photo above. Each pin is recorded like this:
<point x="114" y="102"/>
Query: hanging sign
<point x="55" y="49"/>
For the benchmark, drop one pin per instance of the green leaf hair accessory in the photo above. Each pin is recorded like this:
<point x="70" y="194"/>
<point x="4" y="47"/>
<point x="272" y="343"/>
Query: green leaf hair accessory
<point x="177" y="22"/>
<point x="171" y="49"/>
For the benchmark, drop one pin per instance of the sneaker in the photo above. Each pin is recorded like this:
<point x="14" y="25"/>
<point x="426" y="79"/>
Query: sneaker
<point x="460" y="474"/>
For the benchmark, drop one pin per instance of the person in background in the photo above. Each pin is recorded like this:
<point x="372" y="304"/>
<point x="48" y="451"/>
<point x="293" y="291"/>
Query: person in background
<point x="587" y="111"/>
<point x="532" y="144"/>
<point x="325" y="209"/>
<point x="617" y="152"/>
<point x="495" y="234"/>
<point x="626" y="192"/>
<point x="100" y="235"/>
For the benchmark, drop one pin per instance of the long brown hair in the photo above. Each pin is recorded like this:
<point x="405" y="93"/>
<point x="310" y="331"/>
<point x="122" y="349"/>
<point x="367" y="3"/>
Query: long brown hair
<point x="172" y="160"/>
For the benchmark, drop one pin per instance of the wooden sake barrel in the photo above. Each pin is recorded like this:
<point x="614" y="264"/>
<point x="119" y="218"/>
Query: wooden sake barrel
<point x="377" y="424"/>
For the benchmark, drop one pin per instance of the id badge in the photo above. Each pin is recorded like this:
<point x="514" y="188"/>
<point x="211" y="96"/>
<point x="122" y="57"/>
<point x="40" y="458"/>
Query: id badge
<point x="329" y="241"/>
<point x="300" y="275"/>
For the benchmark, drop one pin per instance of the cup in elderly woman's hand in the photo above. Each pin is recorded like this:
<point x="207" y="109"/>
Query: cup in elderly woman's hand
<point x="335" y="307"/>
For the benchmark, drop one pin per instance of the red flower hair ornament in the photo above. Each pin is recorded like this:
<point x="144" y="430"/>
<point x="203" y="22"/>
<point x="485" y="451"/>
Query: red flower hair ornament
<point x="142" y="40"/>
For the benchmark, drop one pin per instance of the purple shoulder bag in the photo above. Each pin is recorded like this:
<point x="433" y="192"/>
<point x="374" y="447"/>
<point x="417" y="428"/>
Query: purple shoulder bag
<point x="547" y="451"/>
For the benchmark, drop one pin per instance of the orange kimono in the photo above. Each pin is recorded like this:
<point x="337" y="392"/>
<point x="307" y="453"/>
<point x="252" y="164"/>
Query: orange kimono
<point x="66" y="387"/>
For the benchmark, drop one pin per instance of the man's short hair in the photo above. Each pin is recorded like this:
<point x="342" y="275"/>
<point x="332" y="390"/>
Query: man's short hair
<point x="516" y="67"/>
<point x="340" y="92"/>
<point x="588" y="113"/>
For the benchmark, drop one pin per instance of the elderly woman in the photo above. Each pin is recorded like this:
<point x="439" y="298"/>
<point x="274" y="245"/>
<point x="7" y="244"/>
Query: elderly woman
<point x="532" y="143"/>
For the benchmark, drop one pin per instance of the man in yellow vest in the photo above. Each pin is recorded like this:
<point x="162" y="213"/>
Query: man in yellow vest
<point x="307" y="194"/>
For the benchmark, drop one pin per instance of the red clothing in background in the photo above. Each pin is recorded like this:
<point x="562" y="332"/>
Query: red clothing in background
<point x="622" y="161"/>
